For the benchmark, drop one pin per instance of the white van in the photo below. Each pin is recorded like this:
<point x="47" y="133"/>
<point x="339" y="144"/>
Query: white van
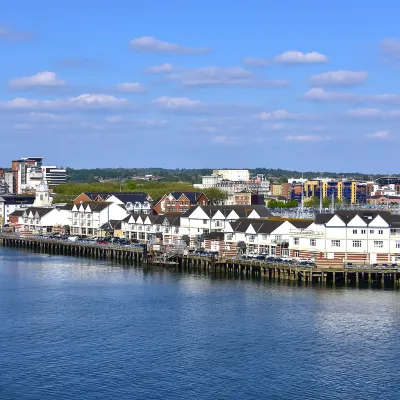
<point x="73" y="238"/>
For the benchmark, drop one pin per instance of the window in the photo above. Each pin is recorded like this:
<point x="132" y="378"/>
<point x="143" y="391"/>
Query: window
<point x="363" y="231"/>
<point x="397" y="244"/>
<point x="204" y="221"/>
<point x="378" y="244"/>
<point x="354" y="231"/>
<point x="356" y="243"/>
<point x="296" y="253"/>
<point x="335" y="243"/>
<point x="296" y="241"/>
<point x="229" y="236"/>
<point x="380" y="231"/>
<point x="313" y="242"/>
<point x="371" y="231"/>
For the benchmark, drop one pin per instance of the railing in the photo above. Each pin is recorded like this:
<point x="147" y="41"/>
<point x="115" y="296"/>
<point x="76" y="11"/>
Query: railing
<point x="45" y="239"/>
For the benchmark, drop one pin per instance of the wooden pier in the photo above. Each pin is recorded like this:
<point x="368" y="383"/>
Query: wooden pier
<point x="79" y="249"/>
<point x="384" y="277"/>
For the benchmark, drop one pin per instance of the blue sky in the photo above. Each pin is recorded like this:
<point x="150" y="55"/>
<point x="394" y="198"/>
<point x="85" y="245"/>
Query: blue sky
<point x="279" y="84"/>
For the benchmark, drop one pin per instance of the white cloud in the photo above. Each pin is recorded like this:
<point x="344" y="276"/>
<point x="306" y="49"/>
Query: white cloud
<point x="151" y="44"/>
<point x="379" y="135"/>
<point x="177" y="103"/>
<point x="256" y="62"/>
<point x="133" y="87"/>
<point x="226" y="140"/>
<point x="84" y="101"/>
<point x="41" y="80"/>
<point x="115" y="119"/>
<point x="297" y="57"/>
<point x="281" y="115"/>
<point x="318" y="94"/>
<point x="307" y="138"/>
<point x="373" y="113"/>
<point x="222" y="76"/>
<point x="339" y="78"/>
<point x="162" y="69"/>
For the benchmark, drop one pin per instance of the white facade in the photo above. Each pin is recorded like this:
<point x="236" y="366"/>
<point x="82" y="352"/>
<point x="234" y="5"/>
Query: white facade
<point x="360" y="240"/>
<point x="210" y="181"/>
<point x="233" y="174"/>
<point x="7" y="207"/>
<point x="136" y="207"/>
<point x="87" y="218"/>
<point x="42" y="220"/>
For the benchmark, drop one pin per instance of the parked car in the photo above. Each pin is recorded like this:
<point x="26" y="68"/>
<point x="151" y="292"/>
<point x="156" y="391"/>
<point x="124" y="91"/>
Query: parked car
<point x="73" y="238"/>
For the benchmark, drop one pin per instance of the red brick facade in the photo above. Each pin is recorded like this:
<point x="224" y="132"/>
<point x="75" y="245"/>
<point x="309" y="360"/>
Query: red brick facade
<point x="178" y="205"/>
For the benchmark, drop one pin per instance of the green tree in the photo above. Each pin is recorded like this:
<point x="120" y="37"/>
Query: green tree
<point x="215" y="196"/>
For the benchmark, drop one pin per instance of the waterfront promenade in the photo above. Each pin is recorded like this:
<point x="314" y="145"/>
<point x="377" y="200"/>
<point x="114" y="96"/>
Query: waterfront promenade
<point x="137" y="255"/>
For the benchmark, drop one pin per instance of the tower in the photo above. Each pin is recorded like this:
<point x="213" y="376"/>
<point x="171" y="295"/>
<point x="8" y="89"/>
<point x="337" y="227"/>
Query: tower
<point x="43" y="198"/>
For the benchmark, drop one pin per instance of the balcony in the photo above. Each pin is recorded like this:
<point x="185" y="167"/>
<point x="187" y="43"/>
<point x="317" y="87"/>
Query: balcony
<point x="305" y="232"/>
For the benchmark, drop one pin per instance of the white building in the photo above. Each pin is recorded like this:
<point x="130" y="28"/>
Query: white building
<point x="88" y="217"/>
<point x="233" y="174"/>
<point x="137" y="203"/>
<point x="209" y="181"/>
<point x="359" y="237"/>
<point x="42" y="220"/>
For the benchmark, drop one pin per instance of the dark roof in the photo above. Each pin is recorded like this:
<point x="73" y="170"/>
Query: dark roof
<point x="18" y="213"/>
<point x="259" y="225"/>
<point x="365" y="215"/>
<point x="15" y="199"/>
<point x="102" y="196"/>
<point x="40" y="210"/>
<point x="68" y="206"/>
<point x="131" y="197"/>
<point x="301" y="223"/>
<point x="94" y="205"/>
<point x="242" y="211"/>
<point x="214" y="236"/>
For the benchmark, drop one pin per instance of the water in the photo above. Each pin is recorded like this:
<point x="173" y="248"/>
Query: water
<point x="79" y="329"/>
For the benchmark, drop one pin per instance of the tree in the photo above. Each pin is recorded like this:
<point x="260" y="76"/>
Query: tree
<point x="215" y="196"/>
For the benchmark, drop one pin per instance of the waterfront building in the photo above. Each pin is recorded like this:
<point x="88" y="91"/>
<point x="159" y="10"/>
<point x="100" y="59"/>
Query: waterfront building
<point x="362" y="237"/>
<point x="88" y="217"/>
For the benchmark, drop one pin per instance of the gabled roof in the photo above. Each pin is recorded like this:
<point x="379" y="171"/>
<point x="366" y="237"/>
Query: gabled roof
<point x="113" y="224"/>
<point x="366" y="215"/>
<point x="301" y="223"/>
<point x="102" y="196"/>
<point x="260" y="226"/>
<point x="42" y="211"/>
<point x="94" y="206"/>
<point x="242" y="211"/>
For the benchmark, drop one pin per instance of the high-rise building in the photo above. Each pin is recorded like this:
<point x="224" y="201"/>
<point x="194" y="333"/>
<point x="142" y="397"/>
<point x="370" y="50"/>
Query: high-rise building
<point x="27" y="174"/>
<point x="54" y="176"/>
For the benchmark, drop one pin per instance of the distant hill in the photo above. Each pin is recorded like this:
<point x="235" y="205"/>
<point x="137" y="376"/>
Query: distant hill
<point x="194" y="175"/>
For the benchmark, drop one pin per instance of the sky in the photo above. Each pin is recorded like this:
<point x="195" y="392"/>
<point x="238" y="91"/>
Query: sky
<point x="304" y="85"/>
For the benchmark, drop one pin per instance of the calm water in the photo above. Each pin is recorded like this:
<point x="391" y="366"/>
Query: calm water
<point x="77" y="329"/>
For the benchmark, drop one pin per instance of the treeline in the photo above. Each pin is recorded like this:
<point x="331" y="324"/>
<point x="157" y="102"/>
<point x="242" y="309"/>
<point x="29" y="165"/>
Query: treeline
<point x="155" y="189"/>
<point x="194" y="175"/>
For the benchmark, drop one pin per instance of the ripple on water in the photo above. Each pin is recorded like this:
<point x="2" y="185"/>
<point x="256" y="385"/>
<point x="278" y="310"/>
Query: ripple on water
<point x="78" y="329"/>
